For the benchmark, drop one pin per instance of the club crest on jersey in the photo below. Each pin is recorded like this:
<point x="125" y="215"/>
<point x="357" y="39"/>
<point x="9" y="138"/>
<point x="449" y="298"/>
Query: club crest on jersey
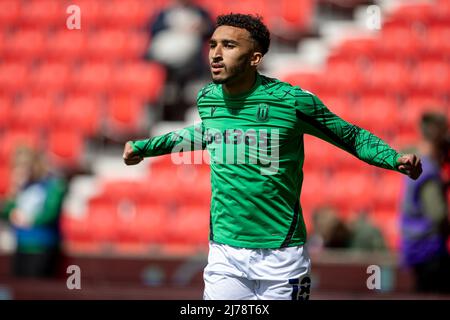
<point x="263" y="112"/>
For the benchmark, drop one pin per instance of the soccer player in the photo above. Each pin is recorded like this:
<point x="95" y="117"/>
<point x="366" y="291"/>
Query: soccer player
<point x="253" y="127"/>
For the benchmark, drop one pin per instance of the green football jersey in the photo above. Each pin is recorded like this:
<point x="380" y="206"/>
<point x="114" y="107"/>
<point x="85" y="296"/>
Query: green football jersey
<point x="255" y="143"/>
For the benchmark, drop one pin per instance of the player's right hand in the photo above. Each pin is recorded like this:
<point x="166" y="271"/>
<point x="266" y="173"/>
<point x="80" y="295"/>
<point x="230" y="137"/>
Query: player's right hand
<point x="129" y="157"/>
<point x="411" y="165"/>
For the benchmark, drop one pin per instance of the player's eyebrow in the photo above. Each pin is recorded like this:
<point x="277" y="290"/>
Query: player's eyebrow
<point x="224" y="41"/>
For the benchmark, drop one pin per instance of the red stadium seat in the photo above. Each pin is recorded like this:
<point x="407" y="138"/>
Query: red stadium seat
<point x="432" y="76"/>
<point x="398" y="42"/>
<point x="136" y="45"/>
<point x="342" y="160"/>
<point x="434" y="46"/>
<point x="116" y="45"/>
<point x="339" y="104"/>
<point x="194" y="185"/>
<point x="189" y="225"/>
<point x="354" y="50"/>
<point x="75" y="229"/>
<point x="214" y="8"/>
<point x="65" y="148"/>
<point x="142" y="223"/>
<point x="79" y="113"/>
<point x="32" y="112"/>
<point x="5" y="111"/>
<point x="388" y="186"/>
<point x="13" y="77"/>
<point x="314" y="190"/>
<point x="43" y="14"/>
<point x="306" y="80"/>
<point x="93" y="78"/>
<point x="414" y="106"/>
<point x="102" y="222"/>
<point x="143" y="80"/>
<point x="318" y="154"/>
<point x="66" y="45"/>
<point x="126" y="14"/>
<point x="2" y="42"/>
<point x="442" y="11"/>
<point x="51" y="77"/>
<point x="25" y="45"/>
<point x="165" y="188"/>
<point x="92" y="13"/>
<point x="387" y="76"/>
<point x="336" y="82"/>
<point x="4" y="179"/>
<point x="377" y="114"/>
<point x="162" y="162"/>
<point x="106" y="44"/>
<point x="413" y="13"/>
<point x="125" y="114"/>
<point x="296" y="14"/>
<point x="9" y="13"/>
<point x="405" y="140"/>
<point x="126" y="190"/>
<point x="349" y="191"/>
<point x="13" y="139"/>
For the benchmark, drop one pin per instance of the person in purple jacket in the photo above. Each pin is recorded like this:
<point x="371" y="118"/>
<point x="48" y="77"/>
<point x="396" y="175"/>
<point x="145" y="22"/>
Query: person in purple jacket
<point x="424" y="217"/>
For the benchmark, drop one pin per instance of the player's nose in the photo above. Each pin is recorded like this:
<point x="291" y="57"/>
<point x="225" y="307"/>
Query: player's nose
<point x="216" y="54"/>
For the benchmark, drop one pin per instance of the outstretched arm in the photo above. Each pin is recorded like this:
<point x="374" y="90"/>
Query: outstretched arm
<point x="186" y="139"/>
<point x="317" y="120"/>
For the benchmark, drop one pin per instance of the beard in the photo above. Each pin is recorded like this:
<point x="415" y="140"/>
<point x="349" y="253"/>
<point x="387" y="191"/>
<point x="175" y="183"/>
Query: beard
<point x="220" y="81"/>
<point x="234" y="73"/>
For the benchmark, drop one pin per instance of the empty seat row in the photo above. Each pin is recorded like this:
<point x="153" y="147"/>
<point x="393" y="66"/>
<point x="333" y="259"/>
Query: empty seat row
<point x="143" y="80"/>
<point x="73" y="44"/>
<point x="144" y="223"/>
<point x="64" y="148"/>
<point x="382" y="76"/>
<point x="286" y="14"/>
<point x="88" y="115"/>
<point x="54" y="13"/>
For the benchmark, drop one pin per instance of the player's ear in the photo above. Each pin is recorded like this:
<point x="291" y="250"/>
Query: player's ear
<point x="256" y="58"/>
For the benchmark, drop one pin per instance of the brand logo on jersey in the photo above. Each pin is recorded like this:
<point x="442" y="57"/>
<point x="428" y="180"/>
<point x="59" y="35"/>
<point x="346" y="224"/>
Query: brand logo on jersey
<point x="213" y="109"/>
<point x="263" y="112"/>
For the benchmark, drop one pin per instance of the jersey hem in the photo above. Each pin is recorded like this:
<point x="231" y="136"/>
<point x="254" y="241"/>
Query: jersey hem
<point x="273" y="244"/>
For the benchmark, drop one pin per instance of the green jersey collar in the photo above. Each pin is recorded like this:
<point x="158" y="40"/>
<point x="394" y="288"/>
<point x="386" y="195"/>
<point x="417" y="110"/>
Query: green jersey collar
<point x="246" y="93"/>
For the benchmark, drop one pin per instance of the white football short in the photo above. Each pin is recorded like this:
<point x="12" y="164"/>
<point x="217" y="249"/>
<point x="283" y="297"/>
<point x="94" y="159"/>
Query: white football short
<point x="257" y="274"/>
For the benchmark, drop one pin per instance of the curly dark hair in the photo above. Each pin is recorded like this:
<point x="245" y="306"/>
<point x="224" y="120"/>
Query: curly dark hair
<point x="252" y="23"/>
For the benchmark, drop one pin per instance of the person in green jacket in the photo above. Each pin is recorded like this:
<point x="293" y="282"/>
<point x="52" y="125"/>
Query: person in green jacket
<point x="33" y="206"/>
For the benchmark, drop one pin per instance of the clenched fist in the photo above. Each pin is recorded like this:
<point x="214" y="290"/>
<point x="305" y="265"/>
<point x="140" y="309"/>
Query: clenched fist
<point x="129" y="157"/>
<point x="411" y="165"/>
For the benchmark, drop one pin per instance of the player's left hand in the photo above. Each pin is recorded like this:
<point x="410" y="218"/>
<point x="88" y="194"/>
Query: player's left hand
<point x="411" y="165"/>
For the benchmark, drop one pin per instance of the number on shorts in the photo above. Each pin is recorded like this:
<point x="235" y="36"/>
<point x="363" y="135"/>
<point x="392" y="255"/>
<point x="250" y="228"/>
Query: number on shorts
<point x="300" y="290"/>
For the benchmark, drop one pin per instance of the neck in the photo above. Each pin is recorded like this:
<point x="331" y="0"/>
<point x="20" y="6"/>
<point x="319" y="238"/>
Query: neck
<point x="240" y="85"/>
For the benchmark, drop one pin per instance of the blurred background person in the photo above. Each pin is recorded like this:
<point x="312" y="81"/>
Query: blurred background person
<point x="178" y="36"/>
<point x="424" y="213"/>
<point x="365" y="235"/>
<point x="329" y="230"/>
<point x="33" y="207"/>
